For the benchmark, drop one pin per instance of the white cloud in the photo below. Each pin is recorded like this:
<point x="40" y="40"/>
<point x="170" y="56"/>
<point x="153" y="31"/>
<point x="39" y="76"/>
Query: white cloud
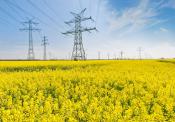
<point x="135" y="18"/>
<point x="163" y="29"/>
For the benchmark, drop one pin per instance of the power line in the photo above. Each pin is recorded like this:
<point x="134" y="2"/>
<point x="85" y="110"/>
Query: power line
<point x="12" y="7"/>
<point x="50" y="8"/>
<point x="23" y="10"/>
<point x="30" y="29"/>
<point x="53" y="11"/>
<point x="42" y="12"/>
<point x="98" y="10"/>
<point x="6" y="21"/>
<point x="28" y="13"/>
<point x="8" y="14"/>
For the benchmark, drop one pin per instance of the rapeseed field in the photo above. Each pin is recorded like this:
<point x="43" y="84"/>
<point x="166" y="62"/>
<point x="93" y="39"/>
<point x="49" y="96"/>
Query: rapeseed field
<point x="95" y="91"/>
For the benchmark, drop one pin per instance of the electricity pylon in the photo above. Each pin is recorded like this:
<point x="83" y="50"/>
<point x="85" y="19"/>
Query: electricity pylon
<point x="115" y="57"/>
<point x="140" y="52"/>
<point x="44" y="44"/>
<point x="99" y="55"/>
<point x="30" y="29"/>
<point x="121" y="55"/>
<point x="78" y="49"/>
<point x="108" y="56"/>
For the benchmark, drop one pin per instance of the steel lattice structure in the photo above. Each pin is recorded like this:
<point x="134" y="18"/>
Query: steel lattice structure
<point x="30" y="29"/>
<point x="44" y="44"/>
<point x="78" y="52"/>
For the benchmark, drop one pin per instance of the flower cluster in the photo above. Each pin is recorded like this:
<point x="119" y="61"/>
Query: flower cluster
<point x="87" y="91"/>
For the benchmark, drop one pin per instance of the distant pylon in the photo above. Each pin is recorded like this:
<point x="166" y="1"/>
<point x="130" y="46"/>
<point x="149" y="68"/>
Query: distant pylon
<point x="121" y="55"/>
<point x="140" y="52"/>
<point x="69" y="57"/>
<point x="108" y="56"/>
<point x="115" y="57"/>
<point x="44" y="44"/>
<point x="99" y="55"/>
<point x="30" y="29"/>
<point x="78" y="49"/>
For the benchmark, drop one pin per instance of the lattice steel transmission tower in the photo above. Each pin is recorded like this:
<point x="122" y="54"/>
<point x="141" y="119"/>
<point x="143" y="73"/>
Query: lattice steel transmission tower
<point x="121" y="55"/>
<point x="140" y="50"/>
<point x="44" y="44"/>
<point x="78" y="49"/>
<point x="30" y="23"/>
<point x="99" y="55"/>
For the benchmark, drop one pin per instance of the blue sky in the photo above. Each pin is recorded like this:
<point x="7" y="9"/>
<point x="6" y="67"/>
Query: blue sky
<point x="124" y="25"/>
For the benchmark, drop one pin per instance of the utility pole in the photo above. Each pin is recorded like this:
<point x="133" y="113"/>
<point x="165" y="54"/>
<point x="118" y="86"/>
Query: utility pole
<point x="30" y="29"/>
<point x="140" y="52"/>
<point x="69" y="58"/>
<point x="115" y="57"/>
<point x="108" y="55"/>
<point x="121" y="55"/>
<point x="78" y="49"/>
<point x="44" y="44"/>
<point x="99" y="55"/>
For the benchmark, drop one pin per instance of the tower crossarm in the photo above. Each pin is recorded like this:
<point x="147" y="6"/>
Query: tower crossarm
<point x="27" y="29"/>
<point x="87" y="18"/>
<point x="80" y="14"/>
<point x="44" y="42"/>
<point x="80" y="30"/>
<point x="78" y="19"/>
<point x="74" y="14"/>
<point x="31" y="22"/>
<point x="69" y="22"/>
<point x="88" y="29"/>
<point x="69" y="32"/>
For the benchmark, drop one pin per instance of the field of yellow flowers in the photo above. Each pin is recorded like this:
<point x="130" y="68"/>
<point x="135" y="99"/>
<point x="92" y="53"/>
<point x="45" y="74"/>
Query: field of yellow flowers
<point x="95" y="91"/>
